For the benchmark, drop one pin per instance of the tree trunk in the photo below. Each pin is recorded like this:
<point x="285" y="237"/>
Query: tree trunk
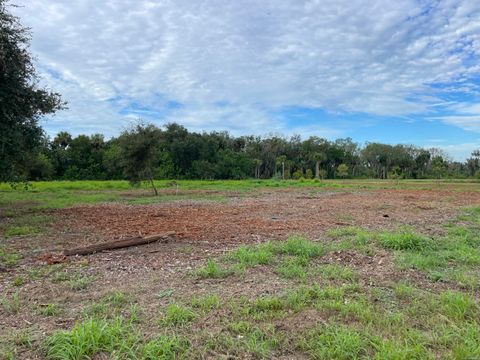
<point x="153" y="184"/>
<point x="283" y="170"/>
<point x="118" y="244"/>
<point x="317" y="170"/>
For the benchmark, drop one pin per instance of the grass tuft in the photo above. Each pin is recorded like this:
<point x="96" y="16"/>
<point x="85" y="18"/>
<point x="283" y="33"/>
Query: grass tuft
<point x="212" y="271"/>
<point x="177" y="315"/>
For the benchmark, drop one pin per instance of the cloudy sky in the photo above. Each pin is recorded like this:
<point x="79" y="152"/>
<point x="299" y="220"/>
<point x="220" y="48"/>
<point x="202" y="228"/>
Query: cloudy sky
<point x="396" y="71"/>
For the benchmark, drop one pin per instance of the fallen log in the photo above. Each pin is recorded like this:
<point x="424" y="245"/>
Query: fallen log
<point x="118" y="244"/>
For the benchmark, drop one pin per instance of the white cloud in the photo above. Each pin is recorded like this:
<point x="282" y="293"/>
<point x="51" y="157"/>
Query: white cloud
<point x="459" y="152"/>
<point x="257" y="56"/>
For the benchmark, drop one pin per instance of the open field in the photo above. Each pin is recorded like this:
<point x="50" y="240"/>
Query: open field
<point x="258" y="269"/>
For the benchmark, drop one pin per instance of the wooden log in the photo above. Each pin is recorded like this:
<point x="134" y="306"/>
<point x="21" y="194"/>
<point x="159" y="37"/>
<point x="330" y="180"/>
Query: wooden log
<point x="118" y="244"/>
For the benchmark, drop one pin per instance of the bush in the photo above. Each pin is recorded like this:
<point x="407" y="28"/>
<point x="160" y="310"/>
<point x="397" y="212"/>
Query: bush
<point x="297" y="175"/>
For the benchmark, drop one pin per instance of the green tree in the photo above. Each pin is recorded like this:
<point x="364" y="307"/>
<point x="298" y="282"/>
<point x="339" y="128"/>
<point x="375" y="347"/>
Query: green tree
<point x="140" y="147"/>
<point x="280" y="163"/>
<point x="22" y="102"/>
<point x="342" y="170"/>
<point x="318" y="157"/>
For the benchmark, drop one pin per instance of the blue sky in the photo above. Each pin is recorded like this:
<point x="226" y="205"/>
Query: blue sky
<point x="390" y="71"/>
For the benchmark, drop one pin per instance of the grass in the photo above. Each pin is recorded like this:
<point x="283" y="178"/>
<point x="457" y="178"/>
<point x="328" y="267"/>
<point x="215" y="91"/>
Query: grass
<point x="455" y="257"/>
<point x="291" y="257"/>
<point x="50" y="310"/>
<point x="9" y="257"/>
<point x="206" y="303"/>
<point x="334" y="342"/>
<point x="404" y="239"/>
<point x="61" y="194"/>
<point x="11" y="304"/>
<point x="91" y="337"/>
<point x="336" y="272"/>
<point x="312" y="310"/>
<point x="20" y="231"/>
<point x="111" y="305"/>
<point x="177" y="315"/>
<point x="212" y="271"/>
<point x="74" y="280"/>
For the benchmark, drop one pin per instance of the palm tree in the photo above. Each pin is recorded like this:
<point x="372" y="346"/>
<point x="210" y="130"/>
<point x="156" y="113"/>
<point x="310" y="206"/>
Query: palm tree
<point x="257" y="163"/>
<point x="318" y="157"/>
<point x="281" y="161"/>
<point x="63" y="139"/>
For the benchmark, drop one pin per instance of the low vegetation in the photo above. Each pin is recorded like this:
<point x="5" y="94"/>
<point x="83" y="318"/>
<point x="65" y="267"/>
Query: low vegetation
<point x="293" y="298"/>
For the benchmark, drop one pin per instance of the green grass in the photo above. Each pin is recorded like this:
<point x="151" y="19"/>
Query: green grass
<point x="20" y="231"/>
<point x="9" y="257"/>
<point x="212" y="271"/>
<point x="75" y="280"/>
<point x="293" y="268"/>
<point x="61" y="194"/>
<point x="455" y="257"/>
<point x="111" y="305"/>
<point x="405" y="239"/>
<point x="92" y="337"/>
<point x="79" y="281"/>
<point x="177" y="315"/>
<point x="165" y="347"/>
<point x="292" y="256"/>
<point x="11" y="304"/>
<point x="206" y="303"/>
<point x="334" y="342"/>
<point x="50" y="310"/>
<point x="336" y="272"/>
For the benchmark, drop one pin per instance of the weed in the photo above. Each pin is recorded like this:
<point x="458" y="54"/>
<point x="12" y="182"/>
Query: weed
<point x="78" y="281"/>
<point x="135" y="313"/>
<point x="23" y="338"/>
<point x="117" y="298"/>
<point x="404" y="290"/>
<point x="20" y="231"/>
<point x="334" y="341"/>
<point x="250" y="256"/>
<point x="212" y="271"/>
<point x="293" y="268"/>
<point x="405" y="239"/>
<point x="336" y="272"/>
<point x="8" y="257"/>
<point x="92" y="337"/>
<point x="50" y="310"/>
<point x="11" y="304"/>
<point x="19" y="281"/>
<point x="176" y="315"/>
<point x="299" y="246"/>
<point x="208" y="302"/>
<point x="165" y="293"/>
<point x="459" y="306"/>
<point x="165" y="347"/>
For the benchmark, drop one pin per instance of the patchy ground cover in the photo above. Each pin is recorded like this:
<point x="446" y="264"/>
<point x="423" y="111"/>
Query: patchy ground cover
<point x="343" y="270"/>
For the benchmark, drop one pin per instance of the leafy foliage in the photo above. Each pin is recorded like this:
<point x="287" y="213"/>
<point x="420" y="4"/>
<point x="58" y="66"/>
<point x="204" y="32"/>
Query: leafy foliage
<point x="22" y="102"/>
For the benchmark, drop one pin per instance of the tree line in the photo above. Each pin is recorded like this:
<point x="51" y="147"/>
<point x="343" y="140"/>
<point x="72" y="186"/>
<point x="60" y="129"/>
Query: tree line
<point x="147" y="152"/>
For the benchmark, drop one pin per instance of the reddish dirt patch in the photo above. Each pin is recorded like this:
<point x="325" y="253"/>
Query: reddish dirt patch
<point x="270" y="215"/>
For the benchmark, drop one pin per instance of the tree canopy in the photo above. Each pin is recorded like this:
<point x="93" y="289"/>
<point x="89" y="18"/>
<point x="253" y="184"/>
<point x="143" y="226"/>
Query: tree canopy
<point x="22" y="101"/>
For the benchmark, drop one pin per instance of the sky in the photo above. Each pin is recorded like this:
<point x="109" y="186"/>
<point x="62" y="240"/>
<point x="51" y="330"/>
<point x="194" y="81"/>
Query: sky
<point x="392" y="71"/>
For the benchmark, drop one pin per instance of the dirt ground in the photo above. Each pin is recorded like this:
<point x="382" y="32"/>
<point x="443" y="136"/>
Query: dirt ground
<point x="267" y="215"/>
<point x="209" y="229"/>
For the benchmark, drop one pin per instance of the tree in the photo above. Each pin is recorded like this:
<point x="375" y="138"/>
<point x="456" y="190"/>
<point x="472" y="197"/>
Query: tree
<point x="257" y="163"/>
<point x="342" y="170"/>
<point x="319" y="158"/>
<point x="22" y="101"/>
<point x="139" y="148"/>
<point x="280" y="161"/>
